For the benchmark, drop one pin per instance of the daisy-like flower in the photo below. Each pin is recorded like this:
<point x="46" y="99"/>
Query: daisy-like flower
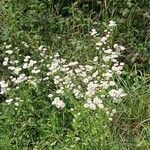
<point x="93" y="32"/>
<point x="117" y="95"/>
<point x="58" y="103"/>
<point x="112" y="23"/>
<point x="50" y="95"/>
<point x="9" y="52"/>
<point x="9" y="101"/>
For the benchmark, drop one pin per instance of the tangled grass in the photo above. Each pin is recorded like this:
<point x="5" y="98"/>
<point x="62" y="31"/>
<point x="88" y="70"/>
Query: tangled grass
<point x="74" y="87"/>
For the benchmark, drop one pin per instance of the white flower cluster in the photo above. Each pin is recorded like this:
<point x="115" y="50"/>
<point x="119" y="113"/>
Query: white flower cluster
<point x="28" y="62"/>
<point x="93" y="32"/>
<point x="95" y="102"/>
<point x="112" y="23"/>
<point x="19" y="79"/>
<point x="16" y="101"/>
<point x="16" y="70"/>
<point x="5" y="62"/>
<point x="92" y="83"/>
<point x="58" y="103"/>
<point x="3" y="87"/>
<point x="42" y="50"/>
<point x="9" y="101"/>
<point x="117" y="94"/>
<point x="8" y="50"/>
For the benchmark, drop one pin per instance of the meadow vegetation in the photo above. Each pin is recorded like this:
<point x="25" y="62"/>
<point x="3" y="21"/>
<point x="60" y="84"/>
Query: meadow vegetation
<point x="75" y="75"/>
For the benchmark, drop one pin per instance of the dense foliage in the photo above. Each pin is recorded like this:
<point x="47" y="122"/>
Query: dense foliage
<point x="65" y="83"/>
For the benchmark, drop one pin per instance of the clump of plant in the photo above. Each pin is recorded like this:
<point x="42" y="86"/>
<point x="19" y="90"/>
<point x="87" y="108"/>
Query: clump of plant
<point x="91" y="85"/>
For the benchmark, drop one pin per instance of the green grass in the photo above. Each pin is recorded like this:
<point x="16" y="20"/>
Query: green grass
<point x="64" y="28"/>
<point x="36" y="126"/>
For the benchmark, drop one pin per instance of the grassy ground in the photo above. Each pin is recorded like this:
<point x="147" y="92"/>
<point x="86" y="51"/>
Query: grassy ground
<point x="64" y="27"/>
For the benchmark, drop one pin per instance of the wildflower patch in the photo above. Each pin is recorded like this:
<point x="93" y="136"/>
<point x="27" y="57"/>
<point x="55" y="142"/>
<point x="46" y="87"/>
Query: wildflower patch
<point x="91" y="83"/>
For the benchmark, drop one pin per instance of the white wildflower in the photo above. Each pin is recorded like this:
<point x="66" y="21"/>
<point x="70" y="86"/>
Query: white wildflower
<point x="58" y="103"/>
<point x="50" y="95"/>
<point x="9" y="101"/>
<point x="112" y="23"/>
<point x="9" y="52"/>
<point x="93" y="32"/>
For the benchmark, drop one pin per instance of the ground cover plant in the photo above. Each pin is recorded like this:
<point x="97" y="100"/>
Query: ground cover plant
<point x="74" y="75"/>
